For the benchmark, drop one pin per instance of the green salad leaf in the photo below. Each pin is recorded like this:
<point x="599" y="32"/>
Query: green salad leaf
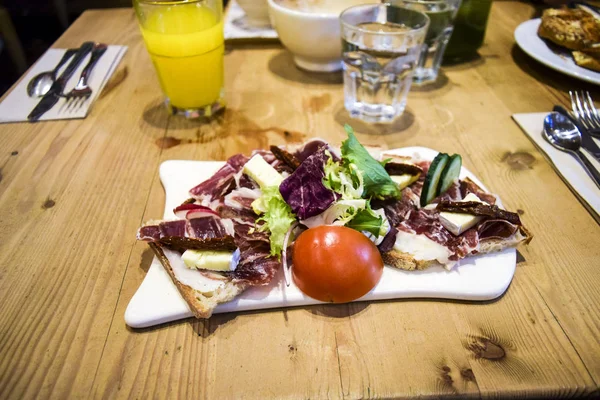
<point x="377" y="182"/>
<point x="339" y="213"/>
<point x="343" y="211"/>
<point x="278" y="217"/>
<point x="345" y="180"/>
<point x="367" y="220"/>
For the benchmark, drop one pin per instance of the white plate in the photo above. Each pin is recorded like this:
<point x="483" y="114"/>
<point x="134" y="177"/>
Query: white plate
<point x="562" y="61"/>
<point x="157" y="300"/>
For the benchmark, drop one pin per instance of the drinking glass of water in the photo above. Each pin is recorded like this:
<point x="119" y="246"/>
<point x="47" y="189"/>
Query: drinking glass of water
<point x="442" y="14"/>
<point x="381" y="44"/>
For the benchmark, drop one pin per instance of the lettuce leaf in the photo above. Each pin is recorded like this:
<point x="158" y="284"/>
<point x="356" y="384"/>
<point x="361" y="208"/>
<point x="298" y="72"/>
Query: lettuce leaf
<point x="278" y="217"/>
<point x="367" y="220"/>
<point x="345" y="180"/>
<point x="339" y="213"/>
<point x="377" y="182"/>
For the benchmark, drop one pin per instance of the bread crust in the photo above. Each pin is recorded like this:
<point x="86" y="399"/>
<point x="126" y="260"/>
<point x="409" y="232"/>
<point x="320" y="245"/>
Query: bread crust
<point x="201" y="304"/>
<point x="405" y="261"/>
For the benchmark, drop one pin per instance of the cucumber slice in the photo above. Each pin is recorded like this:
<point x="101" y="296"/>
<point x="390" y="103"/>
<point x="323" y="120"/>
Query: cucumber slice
<point x="450" y="173"/>
<point x="432" y="179"/>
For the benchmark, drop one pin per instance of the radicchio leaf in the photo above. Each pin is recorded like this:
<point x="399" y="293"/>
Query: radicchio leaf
<point x="304" y="190"/>
<point x="388" y="241"/>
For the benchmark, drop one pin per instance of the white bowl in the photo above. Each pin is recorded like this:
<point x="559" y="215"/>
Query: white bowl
<point x="313" y="37"/>
<point x="257" y="12"/>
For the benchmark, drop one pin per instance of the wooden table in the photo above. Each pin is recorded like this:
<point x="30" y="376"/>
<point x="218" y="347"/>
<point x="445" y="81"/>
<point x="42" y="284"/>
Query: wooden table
<point x="72" y="194"/>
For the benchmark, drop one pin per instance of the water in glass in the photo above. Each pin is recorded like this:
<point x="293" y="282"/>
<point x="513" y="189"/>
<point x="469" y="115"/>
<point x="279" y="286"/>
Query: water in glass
<point x="377" y="72"/>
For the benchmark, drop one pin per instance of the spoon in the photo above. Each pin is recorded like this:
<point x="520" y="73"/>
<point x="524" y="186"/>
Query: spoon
<point x="40" y="84"/>
<point x="561" y="133"/>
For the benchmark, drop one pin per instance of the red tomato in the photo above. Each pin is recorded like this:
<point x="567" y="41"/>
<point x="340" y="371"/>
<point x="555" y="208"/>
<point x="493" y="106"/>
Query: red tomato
<point x="335" y="264"/>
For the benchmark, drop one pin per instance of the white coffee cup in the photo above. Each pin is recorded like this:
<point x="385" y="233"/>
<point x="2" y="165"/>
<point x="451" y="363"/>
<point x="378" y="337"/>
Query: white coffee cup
<point x="310" y="30"/>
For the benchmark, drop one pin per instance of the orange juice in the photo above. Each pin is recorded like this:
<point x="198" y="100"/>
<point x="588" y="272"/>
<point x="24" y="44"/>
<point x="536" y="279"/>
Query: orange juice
<point x="185" y="42"/>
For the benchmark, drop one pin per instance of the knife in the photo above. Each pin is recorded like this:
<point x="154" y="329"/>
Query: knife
<point x="57" y="88"/>
<point x="586" y="139"/>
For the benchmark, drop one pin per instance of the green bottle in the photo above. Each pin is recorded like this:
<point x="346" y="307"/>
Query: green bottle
<point x="469" y="29"/>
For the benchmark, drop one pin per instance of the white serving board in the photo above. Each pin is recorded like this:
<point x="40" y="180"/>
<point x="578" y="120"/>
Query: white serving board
<point x="157" y="300"/>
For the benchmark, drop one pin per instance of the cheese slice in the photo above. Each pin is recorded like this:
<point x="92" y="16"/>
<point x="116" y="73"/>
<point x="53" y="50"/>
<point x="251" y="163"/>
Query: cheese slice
<point x="262" y="172"/>
<point x="190" y="277"/>
<point x="457" y="223"/>
<point x="421" y="247"/>
<point x="209" y="259"/>
<point x="404" y="180"/>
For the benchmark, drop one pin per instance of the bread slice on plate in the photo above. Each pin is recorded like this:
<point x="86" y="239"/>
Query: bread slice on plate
<point x="202" y="302"/>
<point x="587" y="60"/>
<point x="409" y="262"/>
<point x="574" y="29"/>
<point x="462" y="222"/>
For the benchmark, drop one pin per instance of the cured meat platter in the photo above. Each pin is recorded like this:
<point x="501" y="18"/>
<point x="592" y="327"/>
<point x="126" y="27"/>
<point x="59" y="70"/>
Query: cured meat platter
<point x="157" y="300"/>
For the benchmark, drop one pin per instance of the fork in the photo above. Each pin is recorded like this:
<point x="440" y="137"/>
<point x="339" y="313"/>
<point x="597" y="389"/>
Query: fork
<point x="82" y="91"/>
<point x="585" y="111"/>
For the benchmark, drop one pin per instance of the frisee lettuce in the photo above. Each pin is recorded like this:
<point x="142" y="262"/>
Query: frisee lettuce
<point x="346" y="180"/>
<point x="339" y="213"/>
<point x="377" y="182"/>
<point x="278" y="217"/>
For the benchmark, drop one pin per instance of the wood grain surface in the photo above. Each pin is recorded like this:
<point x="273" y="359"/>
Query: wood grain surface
<point x="72" y="194"/>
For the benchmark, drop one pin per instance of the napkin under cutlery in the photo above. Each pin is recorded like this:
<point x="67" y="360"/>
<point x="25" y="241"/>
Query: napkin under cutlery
<point x="17" y="105"/>
<point x="564" y="163"/>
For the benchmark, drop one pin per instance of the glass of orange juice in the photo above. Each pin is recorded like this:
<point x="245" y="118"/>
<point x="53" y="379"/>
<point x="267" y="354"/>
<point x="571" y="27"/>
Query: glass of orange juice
<point x="185" y="41"/>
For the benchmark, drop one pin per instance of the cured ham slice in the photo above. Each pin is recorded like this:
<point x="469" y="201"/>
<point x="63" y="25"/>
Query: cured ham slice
<point x="150" y="233"/>
<point x="452" y="194"/>
<point x="173" y="228"/>
<point x="496" y="229"/>
<point x="209" y="232"/>
<point x="468" y="186"/>
<point x="206" y="228"/>
<point x="221" y="182"/>
<point x="256" y="266"/>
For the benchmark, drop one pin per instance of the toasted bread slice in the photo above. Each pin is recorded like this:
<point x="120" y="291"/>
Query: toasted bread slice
<point x="587" y="60"/>
<point x="574" y="29"/>
<point x="201" y="303"/>
<point x="408" y="262"/>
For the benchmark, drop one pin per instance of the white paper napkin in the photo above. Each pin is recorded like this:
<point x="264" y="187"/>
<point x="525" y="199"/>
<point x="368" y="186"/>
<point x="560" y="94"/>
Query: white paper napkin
<point x="237" y="28"/>
<point x="565" y="164"/>
<point x="17" y="105"/>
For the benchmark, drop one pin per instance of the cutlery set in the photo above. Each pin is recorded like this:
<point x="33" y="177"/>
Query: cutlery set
<point x="51" y="87"/>
<point x="571" y="131"/>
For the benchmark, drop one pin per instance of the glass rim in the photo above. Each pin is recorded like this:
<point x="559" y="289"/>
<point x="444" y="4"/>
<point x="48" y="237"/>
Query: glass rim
<point x="384" y="5"/>
<point x="168" y="2"/>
